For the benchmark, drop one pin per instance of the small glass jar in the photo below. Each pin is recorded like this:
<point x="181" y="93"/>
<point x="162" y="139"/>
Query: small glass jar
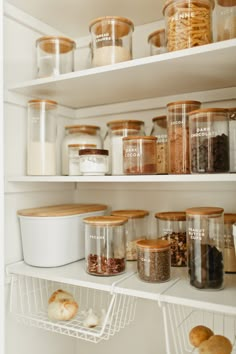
<point x="159" y="130"/>
<point x="93" y="162"/>
<point x="229" y="246"/>
<point x="205" y="240"/>
<point x="188" y="23"/>
<point x="41" y="138"/>
<point x="157" y="43"/>
<point x="209" y="140"/>
<point x="55" y="56"/>
<point x="178" y="135"/>
<point x="111" y="40"/>
<point x="153" y="262"/>
<point x="73" y="150"/>
<point x="171" y="226"/>
<point x="105" y="240"/>
<point x="232" y="138"/>
<point x="226" y="19"/>
<point x="137" y="229"/>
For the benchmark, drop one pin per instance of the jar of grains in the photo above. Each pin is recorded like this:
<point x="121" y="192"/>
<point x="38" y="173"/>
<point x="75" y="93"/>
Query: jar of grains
<point x="105" y="241"/>
<point x="137" y="229"/>
<point x="226" y="19"/>
<point x="209" y="140"/>
<point x="171" y="226"/>
<point x="232" y="138"/>
<point x="188" y="23"/>
<point x="178" y="135"/>
<point x="157" y="43"/>
<point x="159" y="130"/>
<point x="93" y="162"/>
<point x="153" y="262"/>
<point x="229" y="249"/>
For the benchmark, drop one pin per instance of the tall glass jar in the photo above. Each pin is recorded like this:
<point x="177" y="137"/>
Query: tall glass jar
<point x="226" y="19"/>
<point x="159" y="130"/>
<point x="178" y="135"/>
<point x="209" y="140"/>
<point x="232" y="138"/>
<point x="229" y="249"/>
<point x="205" y="239"/>
<point x="41" y="138"/>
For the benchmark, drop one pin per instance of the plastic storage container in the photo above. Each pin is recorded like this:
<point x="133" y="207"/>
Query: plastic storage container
<point x="41" y="138"/>
<point x="226" y="19"/>
<point x="136" y="229"/>
<point x="55" y="56"/>
<point x="157" y="43"/>
<point x="209" y="140"/>
<point x="111" y="40"/>
<point x="159" y="130"/>
<point x="232" y="138"/>
<point x="229" y="246"/>
<point x="105" y="240"/>
<point x="53" y="236"/>
<point x="73" y="152"/>
<point x="205" y="240"/>
<point x="93" y="162"/>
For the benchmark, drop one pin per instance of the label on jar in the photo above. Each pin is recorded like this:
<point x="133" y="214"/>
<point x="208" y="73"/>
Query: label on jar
<point x="196" y="234"/>
<point x="132" y="152"/>
<point x="161" y="138"/>
<point x="204" y="131"/>
<point x="97" y="237"/>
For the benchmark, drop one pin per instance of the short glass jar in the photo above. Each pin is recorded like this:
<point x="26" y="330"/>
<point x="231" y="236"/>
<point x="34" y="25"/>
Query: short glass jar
<point x="105" y="241"/>
<point x="157" y="43"/>
<point x="205" y="240"/>
<point x="159" y="130"/>
<point x="232" y="138"/>
<point x="55" y="56"/>
<point x="137" y="229"/>
<point x="153" y="261"/>
<point x="229" y="246"/>
<point x="93" y="162"/>
<point x="188" y="23"/>
<point x="139" y="155"/>
<point x="226" y="19"/>
<point x="209" y="140"/>
<point x="73" y="150"/>
<point x="111" y="40"/>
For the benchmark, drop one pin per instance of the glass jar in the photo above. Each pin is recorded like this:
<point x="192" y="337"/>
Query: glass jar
<point x="159" y="130"/>
<point x="209" y="140"/>
<point x="178" y="135"/>
<point x="153" y="262"/>
<point x="232" y="138"/>
<point x="226" y="19"/>
<point x="41" y="138"/>
<point x="171" y="226"/>
<point x="105" y="239"/>
<point x="156" y="41"/>
<point x="55" y="56"/>
<point x="188" y="23"/>
<point x="93" y="162"/>
<point x="111" y="40"/>
<point x="73" y="151"/>
<point x="205" y="240"/>
<point x="137" y="229"/>
<point x="229" y="246"/>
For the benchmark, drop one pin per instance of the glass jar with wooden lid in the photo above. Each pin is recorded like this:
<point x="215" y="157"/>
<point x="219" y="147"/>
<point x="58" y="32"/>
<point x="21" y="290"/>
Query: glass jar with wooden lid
<point x="226" y="19"/>
<point x="159" y="130"/>
<point x="229" y="246"/>
<point x="156" y="41"/>
<point x="232" y="138"/>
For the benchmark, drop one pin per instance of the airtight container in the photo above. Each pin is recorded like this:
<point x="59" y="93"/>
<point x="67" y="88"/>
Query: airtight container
<point x="54" y="235"/>
<point x="232" y="138"/>
<point x="226" y="19"/>
<point x="93" y="162"/>
<point x="229" y="244"/>
<point x="159" y="130"/>
<point x="156" y="41"/>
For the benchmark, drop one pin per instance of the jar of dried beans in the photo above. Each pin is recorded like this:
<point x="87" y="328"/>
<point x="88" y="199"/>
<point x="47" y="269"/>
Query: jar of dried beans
<point x="105" y="245"/>
<point x="226" y="19"/>
<point x="159" y="130"/>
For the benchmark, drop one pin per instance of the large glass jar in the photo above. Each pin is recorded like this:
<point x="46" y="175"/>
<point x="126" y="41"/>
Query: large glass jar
<point x="226" y="19"/>
<point x="205" y="240"/>
<point x="159" y="130"/>
<point x="229" y="246"/>
<point x="232" y="138"/>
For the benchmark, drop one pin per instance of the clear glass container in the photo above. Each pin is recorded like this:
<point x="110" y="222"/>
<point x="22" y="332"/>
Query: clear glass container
<point x="55" y="56"/>
<point x="229" y="246"/>
<point x="178" y="135"/>
<point x="205" y="240"/>
<point x="159" y="130"/>
<point x="105" y="241"/>
<point x="171" y="226"/>
<point x="41" y="138"/>
<point x="157" y="43"/>
<point x="137" y="229"/>
<point x="153" y="262"/>
<point x="188" y="23"/>
<point x="93" y="162"/>
<point x="111" y="40"/>
<point x="226" y="19"/>
<point x="209" y="140"/>
<point x="74" y="163"/>
<point x="232" y="138"/>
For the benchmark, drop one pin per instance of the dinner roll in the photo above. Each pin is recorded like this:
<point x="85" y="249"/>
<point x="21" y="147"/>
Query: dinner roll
<point x="199" y="334"/>
<point x="216" y="344"/>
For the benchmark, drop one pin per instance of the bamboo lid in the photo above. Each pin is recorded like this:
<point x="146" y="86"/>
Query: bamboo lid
<point x="49" y="44"/>
<point x="153" y="245"/>
<point x="209" y="110"/>
<point x="155" y="37"/>
<point x="226" y="3"/>
<point x="204" y="211"/>
<point x="93" y="152"/>
<point x="125" y="124"/>
<point x="140" y="137"/>
<point x="40" y="104"/>
<point x="171" y="215"/>
<point x="112" y="25"/>
<point x="131" y="214"/>
<point x="229" y="218"/>
<point x="81" y="145"/>
<point x="105" y="220"/>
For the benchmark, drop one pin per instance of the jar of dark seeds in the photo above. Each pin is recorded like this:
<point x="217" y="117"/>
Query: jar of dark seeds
<point x="153" y="262"/>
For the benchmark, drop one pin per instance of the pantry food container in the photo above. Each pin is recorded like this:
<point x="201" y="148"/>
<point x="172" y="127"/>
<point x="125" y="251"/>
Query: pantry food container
<point x="232" y="138"/>
<point x="159" y="130"/>
<point x="54" y="235"/>
<point x="229" y="245"/>
<point x="73" y="152"/>
<point x="156" y="41"/>
<point x="111" y="40"/>
<point x="55" y="55"/>
<point x="226" y="19"/>
<point x="93" y="162"/>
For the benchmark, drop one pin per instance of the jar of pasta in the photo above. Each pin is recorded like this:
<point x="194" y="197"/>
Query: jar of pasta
<point x="188" y="23"/>
<point x="226" y="19"/>
<point x="159" y="130"/>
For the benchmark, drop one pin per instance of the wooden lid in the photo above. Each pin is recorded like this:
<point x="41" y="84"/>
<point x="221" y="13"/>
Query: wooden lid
<point x="125" y="124"/>
<point x="112" y="25"/>
<point x="131" y="214"/>
<point x="48" y="104"/>
<point x="140" y="137"/>
<point x="153" y="245"/>
<point x="204" y="211"/>
<point x="81" y="145"/>
<point x="161" y="121"/>
<point x="229" y="218"/>
<point x="93" y="152"/>
<point x="155" y="37"/>
<point x="105" y="220"/>
<point x="171" y="215"/>
<point x="187" y="4"/>
<point x="48" y="44"/>
<point x="226" y="3"/>
<point x="209" y="110"/>
<point x="183" y="102"/>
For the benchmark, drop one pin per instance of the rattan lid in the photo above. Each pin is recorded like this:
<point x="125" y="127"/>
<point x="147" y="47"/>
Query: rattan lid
<point x="107" y="220"/>
<point x="115" y="25"/>
<point x="131" y="213"/>
<point x="171" y="215"/>
<point x="204" y="211"/>
<point x="153" y="245"/>
<point x="49" y="44"/>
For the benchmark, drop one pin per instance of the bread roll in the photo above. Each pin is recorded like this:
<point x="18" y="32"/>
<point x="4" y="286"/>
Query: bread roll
<point x="216" y="344"/>
<point x="62" y="306"/>
<point x="199" y="334"/>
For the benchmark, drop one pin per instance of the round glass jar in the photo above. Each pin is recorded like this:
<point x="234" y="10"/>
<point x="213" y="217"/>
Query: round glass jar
<point x="139" y="155"/>
<point x="226" y="19"/>
<point x="55" y="56"/>
<point x="188" y="23"/>
<point x="205" y="240"/>
<point x="111" y="40"/>
<point x="232" y="138"/>
<point x="73" y="151"/>
<point x="171" y="226"/>
<point x="178" y="135"/>
<point x="105" y="240"/>
<point x="41" y="138"/>
<point x="157" y="43"/>
<point x="153" y="261"/>
<point x="93" y="162"/>
<point x="159" y="130"/>
<point x="209" y="140"/>
<point x="229" y="246"/>
<point x="137" y="229"/>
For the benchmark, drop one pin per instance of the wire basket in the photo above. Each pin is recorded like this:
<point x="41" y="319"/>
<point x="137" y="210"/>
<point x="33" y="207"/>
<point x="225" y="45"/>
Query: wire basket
<point x="29" y="302"/>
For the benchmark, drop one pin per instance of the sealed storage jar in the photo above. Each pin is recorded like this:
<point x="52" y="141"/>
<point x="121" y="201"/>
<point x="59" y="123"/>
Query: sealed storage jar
<point x="105" y="241"/>
<point x="55" y="56"/>
<point x="229" y="246"/>
<point x="209" y="140"/>
<point x="41" y="138"/>
<point x="136" y="229"/>
<point x="93" y="162"/>
<point x="157" y="43"/>
<point x="111" y="40"/>
<point x="226" y="19"/>
<point x="232" y="138"/>
<point x="172" y="227"/>
<point x="188" y="23"/>
<point x="205" y="240"/>
<point x="153" y="262"/>
<point x="159" y="130"/>
<point x="73" y="152"/>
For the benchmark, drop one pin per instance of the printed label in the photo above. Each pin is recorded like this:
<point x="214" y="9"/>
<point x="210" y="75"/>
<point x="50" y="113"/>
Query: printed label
<point x="96" y="237"/>
<point x="132" y="152"/>
<point x="196" y="234"/>
<point x="204" y="132"/>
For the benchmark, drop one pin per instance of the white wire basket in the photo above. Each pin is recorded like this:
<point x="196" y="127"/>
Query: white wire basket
<point x="29" y="302"/>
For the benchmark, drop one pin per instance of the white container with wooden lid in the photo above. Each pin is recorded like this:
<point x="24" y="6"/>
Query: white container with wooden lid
<point x="54" y="235"/>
